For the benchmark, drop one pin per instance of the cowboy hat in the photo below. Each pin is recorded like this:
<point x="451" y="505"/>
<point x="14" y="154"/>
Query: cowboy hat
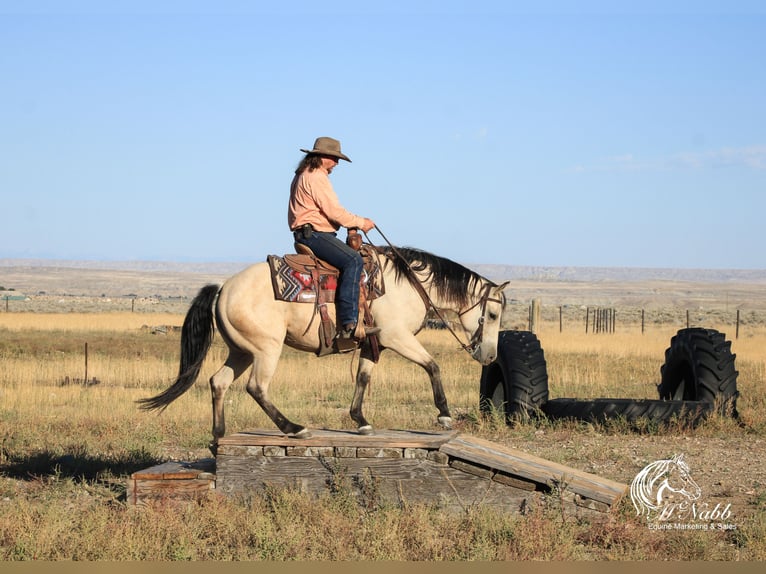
<point x="327" y="146"/>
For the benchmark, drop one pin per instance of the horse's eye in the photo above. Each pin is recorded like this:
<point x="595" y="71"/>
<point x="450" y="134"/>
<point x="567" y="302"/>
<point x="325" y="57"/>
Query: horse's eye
<point x="492" y="316"/>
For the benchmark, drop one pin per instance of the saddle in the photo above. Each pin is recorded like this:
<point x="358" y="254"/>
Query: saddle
<point x="304" y="278"/>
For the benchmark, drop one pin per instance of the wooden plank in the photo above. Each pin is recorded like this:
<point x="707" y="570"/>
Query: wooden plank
<point x="142" y="491"/>
<point x="173" y="480"/>
<point x="343" y="438"/>
<point x="519" y="463"/>
<point x="176" y="470"/>
<point x="396" y="480"/>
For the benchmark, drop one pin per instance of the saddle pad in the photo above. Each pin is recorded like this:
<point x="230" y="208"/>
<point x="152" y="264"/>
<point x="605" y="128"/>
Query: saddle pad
<point x="297" y="285"/>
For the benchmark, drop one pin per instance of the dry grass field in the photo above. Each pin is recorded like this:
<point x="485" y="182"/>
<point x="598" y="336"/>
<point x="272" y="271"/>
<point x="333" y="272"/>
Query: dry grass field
<point x="68" y="448"/>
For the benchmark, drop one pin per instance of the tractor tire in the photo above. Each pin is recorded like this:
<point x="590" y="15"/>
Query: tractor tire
<point x="516" y="383"/>
<point x="629" y="410"/>
<point x="699" y="366"/>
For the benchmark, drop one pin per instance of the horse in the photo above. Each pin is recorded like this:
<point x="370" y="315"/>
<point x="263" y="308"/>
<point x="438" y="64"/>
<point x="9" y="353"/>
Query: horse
<point x="255" y="326"/>
<point x="661" y="480"/>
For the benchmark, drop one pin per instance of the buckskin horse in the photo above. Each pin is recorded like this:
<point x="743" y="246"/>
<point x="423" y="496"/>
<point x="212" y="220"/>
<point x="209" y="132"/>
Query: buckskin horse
<point x="255" y="326"/>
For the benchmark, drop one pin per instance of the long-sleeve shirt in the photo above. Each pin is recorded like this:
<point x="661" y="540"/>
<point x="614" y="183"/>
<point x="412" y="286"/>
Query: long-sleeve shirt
<point x="313" y="200"/>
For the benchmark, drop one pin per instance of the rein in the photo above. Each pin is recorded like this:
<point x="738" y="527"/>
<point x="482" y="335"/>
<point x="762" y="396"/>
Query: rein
<point x="429" y="304"/>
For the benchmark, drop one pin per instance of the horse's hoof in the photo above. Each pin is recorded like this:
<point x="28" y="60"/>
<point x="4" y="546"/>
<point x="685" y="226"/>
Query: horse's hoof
<point x="366" y="430"/>
<point x="213" y="446"/>
<point x="445" y="422"/>
<point x="303" y="433"/>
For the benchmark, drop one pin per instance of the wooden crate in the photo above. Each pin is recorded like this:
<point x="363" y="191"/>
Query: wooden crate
<point x="171" y="481"/>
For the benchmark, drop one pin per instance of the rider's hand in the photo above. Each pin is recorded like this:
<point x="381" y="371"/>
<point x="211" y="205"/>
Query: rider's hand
<point x="368" y="225"/>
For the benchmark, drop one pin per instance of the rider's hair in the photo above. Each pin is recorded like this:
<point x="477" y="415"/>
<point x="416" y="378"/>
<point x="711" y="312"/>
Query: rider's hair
<point x="311" y="162"/>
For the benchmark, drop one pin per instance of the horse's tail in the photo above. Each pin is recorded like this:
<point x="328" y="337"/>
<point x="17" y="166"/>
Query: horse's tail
<point x="196" y="337"/>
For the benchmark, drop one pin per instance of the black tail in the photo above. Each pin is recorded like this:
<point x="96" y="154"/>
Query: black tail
<point x="196" y="338"/>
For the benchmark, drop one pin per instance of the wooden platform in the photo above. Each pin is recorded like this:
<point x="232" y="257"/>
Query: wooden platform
<point x="452" y="470"/>
<point x="172" y="480"/>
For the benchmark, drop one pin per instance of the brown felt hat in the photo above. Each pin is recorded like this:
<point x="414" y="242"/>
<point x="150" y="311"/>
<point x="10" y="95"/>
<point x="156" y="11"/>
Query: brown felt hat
<point x="327" y="146"/>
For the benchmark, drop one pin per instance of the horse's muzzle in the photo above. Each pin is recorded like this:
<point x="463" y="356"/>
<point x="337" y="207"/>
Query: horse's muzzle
<point x="484" y="354"/>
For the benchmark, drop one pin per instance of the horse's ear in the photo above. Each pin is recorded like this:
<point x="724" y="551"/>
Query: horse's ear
<point x="502" y="286"/>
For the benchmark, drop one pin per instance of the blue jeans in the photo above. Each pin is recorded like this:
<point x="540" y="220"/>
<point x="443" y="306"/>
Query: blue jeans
<point x="328" y="247"/>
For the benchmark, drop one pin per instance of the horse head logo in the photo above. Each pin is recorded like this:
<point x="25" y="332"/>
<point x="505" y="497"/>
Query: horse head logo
<point x="661" y="483"/>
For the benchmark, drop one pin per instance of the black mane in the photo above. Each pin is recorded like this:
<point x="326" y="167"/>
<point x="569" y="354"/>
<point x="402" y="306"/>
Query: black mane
<point x="453" y="281"/>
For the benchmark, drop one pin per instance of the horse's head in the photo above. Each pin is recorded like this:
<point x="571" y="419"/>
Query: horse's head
<point x="481" y="322"/>
<point x="679" y="480"/>
<point x="663" y="482"/>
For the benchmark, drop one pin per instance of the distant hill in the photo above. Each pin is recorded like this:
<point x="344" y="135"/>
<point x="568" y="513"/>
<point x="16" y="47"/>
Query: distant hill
<point x="44" y="279"/>
<point x="494" y="272"/>
<point x="620" y="274"/>
<point x="225" y="268"/>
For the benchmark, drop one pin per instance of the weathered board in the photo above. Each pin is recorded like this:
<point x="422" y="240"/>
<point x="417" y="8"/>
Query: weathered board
<point x="451" y="470"/>
<point x="329" y="437"/>
<point x="171" y="480"/>
<point x="526" y="466"/>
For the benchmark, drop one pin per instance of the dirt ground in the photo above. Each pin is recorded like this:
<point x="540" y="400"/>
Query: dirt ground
<point x="728" y="470"/>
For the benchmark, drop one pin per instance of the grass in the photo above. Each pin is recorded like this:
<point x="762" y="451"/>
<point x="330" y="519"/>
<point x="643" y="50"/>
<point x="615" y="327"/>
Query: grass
<point x="67" y="450"/>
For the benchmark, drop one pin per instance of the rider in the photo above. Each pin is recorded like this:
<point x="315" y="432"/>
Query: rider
<point x="315" y="215"/>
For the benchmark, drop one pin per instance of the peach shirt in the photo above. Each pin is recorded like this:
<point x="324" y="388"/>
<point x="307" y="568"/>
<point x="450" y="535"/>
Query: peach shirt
<point x="313" y="200"/>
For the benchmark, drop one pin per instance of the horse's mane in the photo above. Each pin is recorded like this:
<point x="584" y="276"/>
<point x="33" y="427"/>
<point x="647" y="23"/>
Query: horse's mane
<point x="643" y="485"/>
<point x="453" y="282"/>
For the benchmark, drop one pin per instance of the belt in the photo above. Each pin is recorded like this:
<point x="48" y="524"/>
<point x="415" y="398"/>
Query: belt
<point x="303" y="232"/>
<point x="308" y="229"/>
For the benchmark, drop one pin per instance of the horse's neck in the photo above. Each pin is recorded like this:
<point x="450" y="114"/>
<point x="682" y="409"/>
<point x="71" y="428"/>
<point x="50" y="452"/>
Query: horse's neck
<point x="666" y="487"/>
<point x="661" y="490"/>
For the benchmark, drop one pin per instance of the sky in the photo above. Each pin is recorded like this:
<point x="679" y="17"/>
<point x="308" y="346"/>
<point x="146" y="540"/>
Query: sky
<point x="543" y="133"/>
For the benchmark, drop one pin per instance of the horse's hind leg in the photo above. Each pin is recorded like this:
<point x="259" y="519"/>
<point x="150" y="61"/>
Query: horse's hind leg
<point x="264" y="366"/>
<point x="235" y="365"/>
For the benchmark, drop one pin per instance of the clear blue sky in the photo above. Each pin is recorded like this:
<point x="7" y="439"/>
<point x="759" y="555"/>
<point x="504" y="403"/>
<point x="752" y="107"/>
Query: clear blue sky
<point x="532" y="133"/>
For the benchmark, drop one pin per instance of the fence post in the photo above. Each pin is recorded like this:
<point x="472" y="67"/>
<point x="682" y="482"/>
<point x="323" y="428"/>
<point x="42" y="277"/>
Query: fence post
<point x="534" y="315"/>
<point x="642" y="321"/>
<point x="561" y="319"/>
<point x="736" y="336"/>
<point x="687" y="318"/>
<point x="587" y="319"/>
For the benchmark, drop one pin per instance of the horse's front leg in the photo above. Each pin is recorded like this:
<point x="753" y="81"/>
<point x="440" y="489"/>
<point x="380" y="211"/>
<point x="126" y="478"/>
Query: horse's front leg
<point x="410" y="348"/>
<point x="440" y="398"/>
<point x="363" y="375"/>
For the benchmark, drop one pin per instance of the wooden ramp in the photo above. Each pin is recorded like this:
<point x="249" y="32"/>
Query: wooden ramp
<point x="452" y="470"/>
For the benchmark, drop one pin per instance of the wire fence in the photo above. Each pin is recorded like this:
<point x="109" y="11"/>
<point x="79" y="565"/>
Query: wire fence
<point x="595" y="320"/>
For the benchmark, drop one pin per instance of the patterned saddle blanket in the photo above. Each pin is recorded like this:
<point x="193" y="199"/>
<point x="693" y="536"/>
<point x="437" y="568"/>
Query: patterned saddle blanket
<point x="299" y="278"/>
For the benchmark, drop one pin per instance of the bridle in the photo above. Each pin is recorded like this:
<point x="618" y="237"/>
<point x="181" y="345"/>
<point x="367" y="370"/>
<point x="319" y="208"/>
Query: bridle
<point x="484" y="298"/>
<point x="479" y="333"/>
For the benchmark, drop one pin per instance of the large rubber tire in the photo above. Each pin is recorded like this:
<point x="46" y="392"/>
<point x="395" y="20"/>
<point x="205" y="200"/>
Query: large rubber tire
<point x="516" y="383"/>
<point x="630" y="410"/>
<point x="699" y="366"/>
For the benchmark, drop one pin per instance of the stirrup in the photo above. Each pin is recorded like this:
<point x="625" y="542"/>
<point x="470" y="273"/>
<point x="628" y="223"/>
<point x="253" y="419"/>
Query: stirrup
<point x="361" y="332"/>
<point x="344" y="341"/>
